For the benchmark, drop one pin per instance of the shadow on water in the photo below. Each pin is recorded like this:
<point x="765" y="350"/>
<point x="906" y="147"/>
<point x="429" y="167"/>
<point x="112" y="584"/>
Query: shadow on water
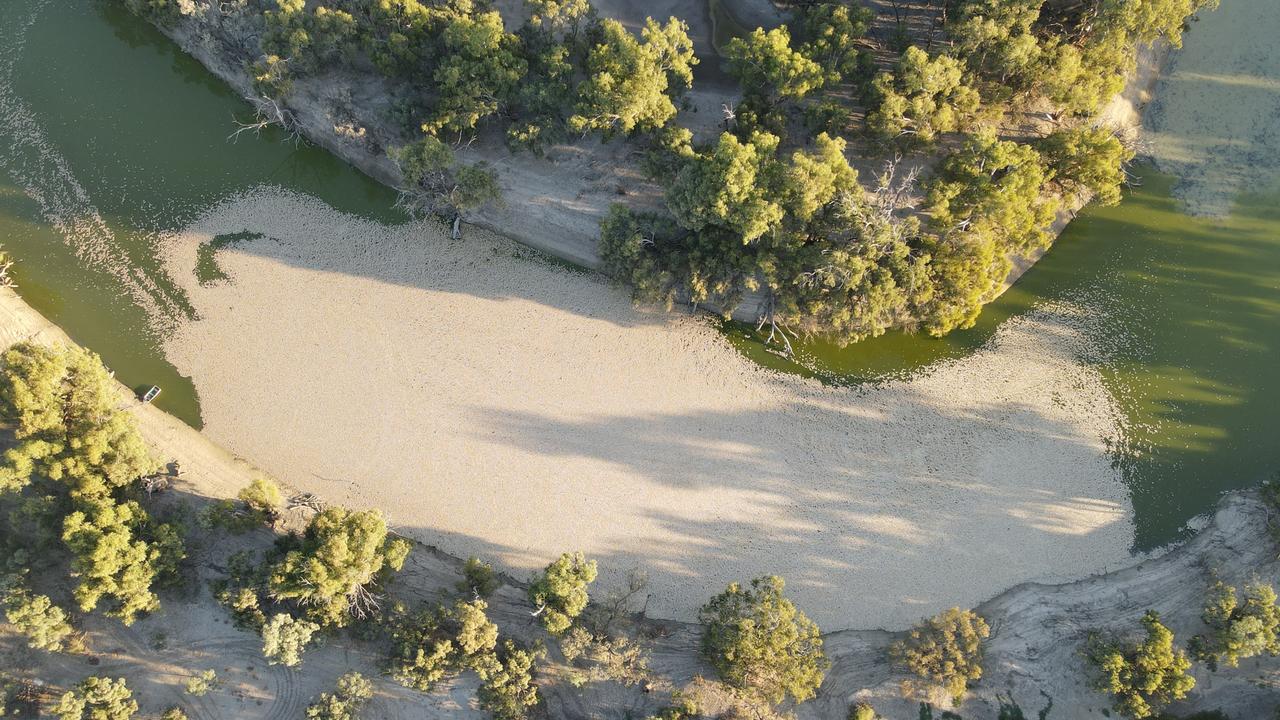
<point x="1188" y="332"/>
<point x="1188" y="306"/>
<point x="136" y="131"/>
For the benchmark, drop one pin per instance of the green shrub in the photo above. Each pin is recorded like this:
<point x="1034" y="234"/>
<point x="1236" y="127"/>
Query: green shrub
<point x="44" y="624"/>
<point x="478" y="578"/>
<point x="760" y="643"/>
<point x="226" y="515"/>
<point x="603" y="658"/>
<point x="271" y="76"/>
<point x="97" y="698"/>
<point x="862" y="711"/>
<point x="200" y="685"/>
<point x="1142" y="677"/>
<point x="435" y="182"/>
<point x="263" y="498"/>
<point x="439" y="643"/>
<point x="560" y="591"/>
<point x="284" y="638"/>
<point x="682" y="707"/>
<point x="1238" y="629"/>
<point x="507" y="689"/>
<point x="344" y="703"/>
<point x="944" y="650"/>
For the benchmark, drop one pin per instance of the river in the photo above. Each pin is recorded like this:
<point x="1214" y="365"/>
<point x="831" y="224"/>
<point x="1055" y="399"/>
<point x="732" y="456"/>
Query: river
<point x="112" y="136"/>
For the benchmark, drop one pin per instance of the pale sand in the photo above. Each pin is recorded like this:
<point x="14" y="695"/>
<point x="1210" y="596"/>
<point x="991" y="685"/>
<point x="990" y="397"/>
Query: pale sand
<point x="500" y="406"/>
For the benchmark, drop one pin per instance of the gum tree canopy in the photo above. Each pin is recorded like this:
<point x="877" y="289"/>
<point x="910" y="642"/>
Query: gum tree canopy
<point x="68" y="425"/>
<point x="759" y="642"/>
<point x="630" y="82"/>
<point x="339" y="556"/>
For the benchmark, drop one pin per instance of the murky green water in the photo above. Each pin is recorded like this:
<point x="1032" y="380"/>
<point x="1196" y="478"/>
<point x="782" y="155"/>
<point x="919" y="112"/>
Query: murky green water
<point x="115" y="129"/>
<point x="1190" y="331"/>
<point x="108" y="127"/>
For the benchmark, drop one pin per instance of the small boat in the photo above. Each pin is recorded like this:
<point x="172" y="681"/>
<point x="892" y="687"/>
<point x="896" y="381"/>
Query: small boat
<point x="150" y="394"/>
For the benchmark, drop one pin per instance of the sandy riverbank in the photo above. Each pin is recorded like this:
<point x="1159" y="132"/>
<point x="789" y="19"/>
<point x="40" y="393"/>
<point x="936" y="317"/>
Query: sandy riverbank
<point x="500" y="406"/>
<point x="1033" y="652"/>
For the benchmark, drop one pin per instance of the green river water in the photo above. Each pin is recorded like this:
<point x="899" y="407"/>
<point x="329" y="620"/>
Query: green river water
<point x="110" y="135"/>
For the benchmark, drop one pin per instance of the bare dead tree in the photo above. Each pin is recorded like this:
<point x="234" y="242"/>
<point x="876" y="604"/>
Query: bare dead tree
<point x="893" y="193"/>
<point x="363" y="603"/>
<point x="1139" y="145"/>
<point x="152" y="484"/>
<point x="305" y="501"/>
<point x="267" y="112"/>
<point x="768" y="315"/>
<point x="6" y="280"/>
<point x="618" y="602"/>
<point x="899" y="8"/>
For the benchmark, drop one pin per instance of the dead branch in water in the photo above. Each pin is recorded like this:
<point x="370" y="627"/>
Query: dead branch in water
<point x="267" y="112"/>
<point x="776" y="329"/>
<point x="5" y="279"/>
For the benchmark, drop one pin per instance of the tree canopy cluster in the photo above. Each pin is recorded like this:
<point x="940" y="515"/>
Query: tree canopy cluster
<point x="1075" y="55"/>
<point x="1240" y="626"/>
<point x="820" y="253"/>
<point x="761" y="644"/>
<point x="1144" y="675"/>
<point x="563" y="70"/>
<point x="437" y="643"/>
<point x="75" y="458"/>
<point x="458" y="67"/>
<point x="944" y="650"/>
<point x="769" y="211"/>
<point x="339" y="556"/>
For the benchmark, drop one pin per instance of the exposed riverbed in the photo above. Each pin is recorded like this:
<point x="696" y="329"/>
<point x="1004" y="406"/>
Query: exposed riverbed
<point x="113" y="140"/>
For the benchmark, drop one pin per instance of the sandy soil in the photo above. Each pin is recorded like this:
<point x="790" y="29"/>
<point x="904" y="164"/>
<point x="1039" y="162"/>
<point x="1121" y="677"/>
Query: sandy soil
<point x="191" y="632"/>
<point x="1031" y="658"/>
<point x="1216" y="129"/>
<point x="500" y="406"/>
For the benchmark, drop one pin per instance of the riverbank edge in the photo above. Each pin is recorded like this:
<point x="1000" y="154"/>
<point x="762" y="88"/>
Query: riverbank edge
<point x="1037" y="628"/>
<point x="1125" y="114"/>
<point x="315" y="122"/>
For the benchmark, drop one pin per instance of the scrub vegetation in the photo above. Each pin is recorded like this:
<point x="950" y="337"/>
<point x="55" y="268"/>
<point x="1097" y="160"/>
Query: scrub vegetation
<point x="1143" y="674"/>
<point x="299" y="574"/>
<point x="945" y="651"/>
<point x="755" y="210"/>
<point x="998" y="101"/>
<point x="761" y="644"/>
